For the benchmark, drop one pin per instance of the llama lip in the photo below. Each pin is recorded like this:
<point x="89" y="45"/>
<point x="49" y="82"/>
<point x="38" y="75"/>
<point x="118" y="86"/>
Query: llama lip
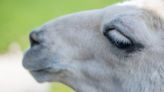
<point x="40" y="75"/>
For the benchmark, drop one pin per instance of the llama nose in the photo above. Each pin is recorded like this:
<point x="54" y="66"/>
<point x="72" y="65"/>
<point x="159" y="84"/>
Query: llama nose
<point x="34" y="38"/>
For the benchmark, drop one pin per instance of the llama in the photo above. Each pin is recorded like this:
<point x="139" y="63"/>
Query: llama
<point x="119" y="48"/>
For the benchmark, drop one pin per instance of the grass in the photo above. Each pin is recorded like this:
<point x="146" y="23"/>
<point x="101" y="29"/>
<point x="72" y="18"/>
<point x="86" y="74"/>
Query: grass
<point x="19" y="17"/>
<point x="58" y="87"/>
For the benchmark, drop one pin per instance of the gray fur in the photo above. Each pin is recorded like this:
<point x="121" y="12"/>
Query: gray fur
<point x="73" y="49"/>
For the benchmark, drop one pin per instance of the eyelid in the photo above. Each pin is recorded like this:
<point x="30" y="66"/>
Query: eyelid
<point x="118" y="40"/>
<point x="113" y="27"/>
<point x="107" y="29"/>
<point x="117" y="36"/>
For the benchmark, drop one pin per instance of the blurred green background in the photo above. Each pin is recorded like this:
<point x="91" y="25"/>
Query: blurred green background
<point x="19" y="17"/>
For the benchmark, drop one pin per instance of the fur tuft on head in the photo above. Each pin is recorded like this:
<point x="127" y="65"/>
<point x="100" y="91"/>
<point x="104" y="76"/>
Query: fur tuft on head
<point x="156" y="6"/>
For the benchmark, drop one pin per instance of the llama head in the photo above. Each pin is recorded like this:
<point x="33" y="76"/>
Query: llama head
<point x="114" y="49"/>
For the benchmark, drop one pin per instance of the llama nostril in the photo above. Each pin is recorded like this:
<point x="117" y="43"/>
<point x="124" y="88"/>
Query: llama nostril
<point x="34" y="39"/>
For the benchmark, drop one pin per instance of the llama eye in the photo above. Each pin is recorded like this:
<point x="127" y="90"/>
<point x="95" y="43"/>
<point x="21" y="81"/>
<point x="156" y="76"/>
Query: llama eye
<point x="118" y="39"/>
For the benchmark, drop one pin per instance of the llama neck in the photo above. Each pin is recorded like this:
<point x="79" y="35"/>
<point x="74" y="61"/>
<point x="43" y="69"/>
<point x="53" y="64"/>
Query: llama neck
<point x="102" y="85"/>
<point x="150" y="82"/>
<point x="142" y="78"/>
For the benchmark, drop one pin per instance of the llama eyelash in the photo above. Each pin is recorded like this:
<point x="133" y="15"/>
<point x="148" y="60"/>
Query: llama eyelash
<point x="118" y="39"/>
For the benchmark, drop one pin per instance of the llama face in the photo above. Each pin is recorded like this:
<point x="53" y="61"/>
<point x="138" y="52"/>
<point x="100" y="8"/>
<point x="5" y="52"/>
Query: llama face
<point x="115" y="46"/>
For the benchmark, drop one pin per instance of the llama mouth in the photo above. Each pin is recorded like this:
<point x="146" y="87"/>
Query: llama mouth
<point x="56" y="69"/>
<point x="41" y="70"/>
